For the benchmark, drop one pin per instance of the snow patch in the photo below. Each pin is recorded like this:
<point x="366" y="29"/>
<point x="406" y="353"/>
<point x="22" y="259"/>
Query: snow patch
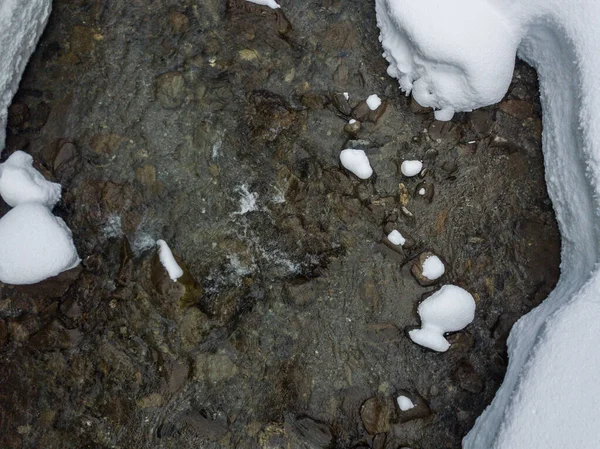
<point x="404" y="403"/>
<point x="357" y="162"/>
<point x="396" y="238"/>
<point x="168" y="260"/>
<point x="433" y="268"/>
<point x="449" y="309"/>
<point x="411" y="168"/>
<point x="373" y="101"/>
<point x="21" y="25"/>
<point x="247" y="200"/>
<point x="270" y="3"/>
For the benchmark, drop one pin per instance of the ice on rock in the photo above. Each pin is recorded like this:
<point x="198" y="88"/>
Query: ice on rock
<point x="433" y="268"/>
<point x="396" y="238"/>
<point x="404" y="403"/>
<point x="34" y="245"/>
<point x="357" y="162"/>
<point x="270" y="3"/>
<point x="21" y="183"/>
<point x="168" y="260"/>
<point x="449" y="309"/>
<point x="373" y="101"/>
<point x="21" y="25"/>
<point x="411" y="168"/>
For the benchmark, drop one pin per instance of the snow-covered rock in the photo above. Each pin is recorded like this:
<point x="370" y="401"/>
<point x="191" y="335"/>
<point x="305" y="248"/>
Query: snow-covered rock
<point x="449" y="309"/>
<point x="373" y="101"/>
<point x="404" y="403"/>
<point x="433" y="268"/>
<point x="411" y="168"/>
<point x="459" y="55"/>
<point x="357" y="162"/>
<point x="21" y="25"/>
<point x="396" y="238"/>
<point x="21" y="183"/>
<point x="34" y="245"/>
<point x="168" y="260"/>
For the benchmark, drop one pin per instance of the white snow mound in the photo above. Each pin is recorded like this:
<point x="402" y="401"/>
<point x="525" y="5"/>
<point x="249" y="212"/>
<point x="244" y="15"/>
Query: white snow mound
<point x="270" y="3"/>
<point x="21" y="183"/>
<point x="396" y="238"/>
<point x="21" y="25"/>
<point x="411" y="168"/>
<point x="34" y="245"/>
<point x="433" y="268"/>
<point x="168" y="260"/>
<point x="449" y="309"/>
<point x="404" y="403"/>
<point x="357" y="162"/>
<point x="373" y="101"/>
<point x="457" y="55"/>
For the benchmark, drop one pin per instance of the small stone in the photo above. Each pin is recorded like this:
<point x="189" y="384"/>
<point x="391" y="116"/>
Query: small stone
<point x="481" y="122"/>
<point x="179" y="22"/>
<point x="467" y="378"/>
<point x="146" y="175"/>
<point x="339" y="101"/>
<point x="517" y="108"/>
<point x="352" y="128"/>
<point x="305" y="432"/>
<point x="450" y="167"/>
<point x="425" y="190"/>
<point x="419" y="410"/>
<point x="152" y="400"/>
<point x="106" y="144"/>
<point x="375" y="416"/>
<point x="418" y="267"/>
<point x="248" y="54"/>
<point x="447" y="131"/>
<point x="215" y="367"/>
<point x="416" y="108"/>
<point x="170" y="89"/>
<point x="403" y="195"/>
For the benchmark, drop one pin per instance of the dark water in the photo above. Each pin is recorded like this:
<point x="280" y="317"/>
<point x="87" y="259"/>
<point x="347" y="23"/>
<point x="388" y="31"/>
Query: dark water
<point x="217" y="127"/>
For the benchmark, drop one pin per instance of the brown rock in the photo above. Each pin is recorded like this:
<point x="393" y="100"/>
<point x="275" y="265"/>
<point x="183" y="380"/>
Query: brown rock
<point x="467" y="378"/>
<point x="375" y="415"/>
<point x="170" y="89"/>
<point x="417" y="269"/>
<point x="419" y="411"/>
<point x="106" y="144"/>
<point x="178" y="22"/>
<point x="425" y="190"/>
<point x="517" y="108"/>
<point x="417" y="108"/>
<point x="146" y="174"/>
<point x="443" y="130"/>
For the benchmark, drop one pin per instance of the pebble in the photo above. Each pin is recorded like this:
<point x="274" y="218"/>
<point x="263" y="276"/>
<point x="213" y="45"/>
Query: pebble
<point x="375" y="416"/>
<point x="170" y="89"/>
<point x="419" y="409"/>
<point x="425" y="190"/>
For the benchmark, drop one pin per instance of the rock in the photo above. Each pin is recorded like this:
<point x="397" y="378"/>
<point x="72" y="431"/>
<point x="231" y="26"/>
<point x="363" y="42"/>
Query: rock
<point x="481" y="122"/>
<point x="39" y="116"/>
<point x="152" y="400"/>
<point x="201" y="426"/>
<point x="450" y="167"/>
<point x="502" y="327"/>
<point x="338" y="100"/>
<point x="419" y="411"/>
<point x="306" y="433"/>
<point x="425" y="190"/>
<point x="214" y="367"/>
<point x="178" y="22"/>
<point x="146" y="175"/>
<point x="375" y="415"/>
<point x="105" y="143"/>
<point x="18" y="115"/>
<point x="417" y="269"/>
<point x="66" y="160"/>
<point x="363" y="113"/>
<point x="177" y="374"/>
<point x="447" y="131"/>
<point x="517" y="108"/>
<point x="170" y="89"/>
<point x="416" y="108"/>
<point x="273" y="436"/>
<point x="403" y="195"/>
<point x="467" y="378"/>
<point x="352" y="129"/>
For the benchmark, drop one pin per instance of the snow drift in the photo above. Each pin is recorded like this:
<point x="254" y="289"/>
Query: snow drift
<point x="21" y="25"/>
<point x="459" y="55"/>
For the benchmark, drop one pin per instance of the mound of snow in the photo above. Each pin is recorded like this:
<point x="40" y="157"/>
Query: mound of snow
<point x="34" y="245"/>
<point x="270" y="3"/>
<point x="357" y="162"/>
<point x="459" y="55"/>
<point x="21" y="25"/>
<point x="433" y="268"/>
<point x="396" y="238"/>
<point x="21" y="183"/>
<point x="373" y="101"/>
<point x="168" y="260"/>
<point x="449" y="309"/>
<point x="411" y="168"/>
<point x="404" y="403"/>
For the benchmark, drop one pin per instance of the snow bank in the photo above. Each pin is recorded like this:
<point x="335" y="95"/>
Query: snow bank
<point x="459" y="55"/>
<point x="21" y="25"/>
<point x="21" y="183"/>
<point x="34" y="245"/>
<point x="168" y="260"/>
<point x="357" y="162"/>
<point x="449" y="309"/>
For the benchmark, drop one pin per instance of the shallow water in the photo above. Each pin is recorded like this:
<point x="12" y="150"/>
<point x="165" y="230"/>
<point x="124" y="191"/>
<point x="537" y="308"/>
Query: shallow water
<point x="218" y="127"/>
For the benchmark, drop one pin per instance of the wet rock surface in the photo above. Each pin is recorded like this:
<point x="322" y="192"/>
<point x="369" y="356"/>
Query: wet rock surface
<point x="217" y="126"/>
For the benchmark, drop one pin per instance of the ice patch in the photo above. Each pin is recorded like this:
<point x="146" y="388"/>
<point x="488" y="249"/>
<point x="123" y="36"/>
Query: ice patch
<point x="411" y="168"/>
<point x="247" y="200"/>
<point x="449" y="309"/>
<point x="168" y="260"/>
<point x="357" y="162"/>
<point x="346" y="96"/>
